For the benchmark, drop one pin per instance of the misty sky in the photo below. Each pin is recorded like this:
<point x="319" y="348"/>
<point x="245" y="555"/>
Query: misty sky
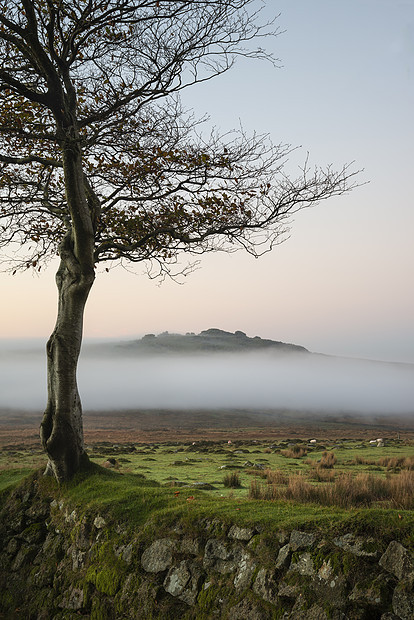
<point x="342" y="283"/>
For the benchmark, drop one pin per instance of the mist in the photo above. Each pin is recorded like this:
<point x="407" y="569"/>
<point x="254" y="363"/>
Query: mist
<point x="263" y="380"/>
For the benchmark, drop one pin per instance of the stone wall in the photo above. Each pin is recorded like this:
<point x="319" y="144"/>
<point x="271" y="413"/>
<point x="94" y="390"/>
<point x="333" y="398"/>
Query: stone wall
<point x="56" y="564"/>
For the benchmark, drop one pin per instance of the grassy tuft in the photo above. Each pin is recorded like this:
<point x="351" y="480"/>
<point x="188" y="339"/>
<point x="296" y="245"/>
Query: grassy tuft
<point x="232" y="480"/>
<point x="297" y="452"/>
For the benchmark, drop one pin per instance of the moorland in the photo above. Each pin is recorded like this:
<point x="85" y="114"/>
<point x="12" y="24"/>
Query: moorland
<point x="216" y="514"/>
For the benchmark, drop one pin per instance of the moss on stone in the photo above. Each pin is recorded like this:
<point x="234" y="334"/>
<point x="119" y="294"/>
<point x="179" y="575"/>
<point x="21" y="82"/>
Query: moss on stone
<point x="107" y="579"/>
<point x="208" y="598"/>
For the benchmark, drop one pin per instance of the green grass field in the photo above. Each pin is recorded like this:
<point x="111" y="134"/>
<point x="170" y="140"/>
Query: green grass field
<point x="187" y="466"/>
<point x="157" y="485"/>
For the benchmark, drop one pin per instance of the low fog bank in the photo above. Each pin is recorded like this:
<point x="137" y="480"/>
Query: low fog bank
<point x="263" y="380"/>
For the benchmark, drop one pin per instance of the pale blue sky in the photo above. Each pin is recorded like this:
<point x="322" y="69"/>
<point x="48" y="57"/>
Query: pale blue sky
<point x="343" y="282"/>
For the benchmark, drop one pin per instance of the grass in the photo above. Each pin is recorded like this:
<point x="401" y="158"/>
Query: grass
<point x="144" y="506"/>
<point x="252" y="482"/>
<point x="345" y="491"/>
<point x="232" y="481"/>
<point x="11" y="477"/>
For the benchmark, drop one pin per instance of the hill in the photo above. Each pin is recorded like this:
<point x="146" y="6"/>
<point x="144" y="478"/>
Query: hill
<point x="208" y="341"/>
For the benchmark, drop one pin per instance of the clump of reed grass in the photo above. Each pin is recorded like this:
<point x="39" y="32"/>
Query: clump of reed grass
<point x="275" y="476"/>
<point x="232" y="480"/>
<point x="389" y="462"/>
<point x="393" y="462"/>
<point x="327" y="461"/>
<point x="346" y="491"/>
<point x="320" y="474"/>
<point x="296" y="452"/>
<point x="361" y="460"/>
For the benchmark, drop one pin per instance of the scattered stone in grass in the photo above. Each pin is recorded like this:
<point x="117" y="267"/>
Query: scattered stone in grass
<point x="111" y="463"/>
<point x="231" y="467"/>
<point x="247" y="464"/>
<point x="206" y="486"/>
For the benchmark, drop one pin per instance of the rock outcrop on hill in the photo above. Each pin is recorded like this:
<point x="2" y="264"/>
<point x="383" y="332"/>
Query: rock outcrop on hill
<point x="57" y="563"/>
<point x="208" y="341"/>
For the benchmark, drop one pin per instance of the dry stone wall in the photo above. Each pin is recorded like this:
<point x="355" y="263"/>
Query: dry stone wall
<point x="58" y="564"/>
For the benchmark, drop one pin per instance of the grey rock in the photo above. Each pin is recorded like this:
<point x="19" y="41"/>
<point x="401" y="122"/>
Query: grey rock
<point x="245" y="571"/>
<point x="158" y="557"/>
<point x="248" y="610"/>
<point x="397" y="560"/>
<point x="73" y="599"/>
<point x="403" y="599"/>
<point x="44" y="576"/>
<point x="83" y="539"/>
<point x="125" y="552"/>
<point x="220" y="557"/>
<point x="304" y="565"/>
<point x="241" y="533"/>
<point x="355" y="545"/>
<point x="34" y="534"/>
<point x="71" y="517"/>
<point x="283" y="557"/>
<point x="190" y="546"/>
<point x="265" y="585"/>
<point x="301" y="540"/>
<point x="326" y="571"/>
<point x="367" y="595"/>
<point x="24" y="556"/>
<point x="300" y="611"/>
<point x="183" y="581"/>
<point x="287" y="590"/>
<point x="206" y="486"/>
<point x="53" y="545"/>
<point x="12" y="546"/>
<point x="99" y="522"/>
<point x="78" y="558"/>
<point x="332" y="590"/>
<point x="283" y="537"/>
<point x="177" y="578"/>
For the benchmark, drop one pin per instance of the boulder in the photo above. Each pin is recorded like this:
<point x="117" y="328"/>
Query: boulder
<point x="403" y="599"/>
<point x="283" y="558"/>
<point x="357" y="545"/>
<point x="241" y="533"/>
<point x="301" y="540"/>
<point x="265" y="585"/>
<point x="304" y="565"/>
<point x="397" y="560"/>
<point x="183" y="581"/>
<point x="158" y="557"/>
<point x="220" y="557"/>
<point x="245" y="571"/>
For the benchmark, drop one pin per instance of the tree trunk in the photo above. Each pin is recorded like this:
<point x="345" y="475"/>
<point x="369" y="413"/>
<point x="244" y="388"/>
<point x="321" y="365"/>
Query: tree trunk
<point x="61" y="430"/>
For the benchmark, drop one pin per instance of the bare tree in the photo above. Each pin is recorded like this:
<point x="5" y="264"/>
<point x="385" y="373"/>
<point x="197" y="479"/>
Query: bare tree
<point x="99" y="162"/>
